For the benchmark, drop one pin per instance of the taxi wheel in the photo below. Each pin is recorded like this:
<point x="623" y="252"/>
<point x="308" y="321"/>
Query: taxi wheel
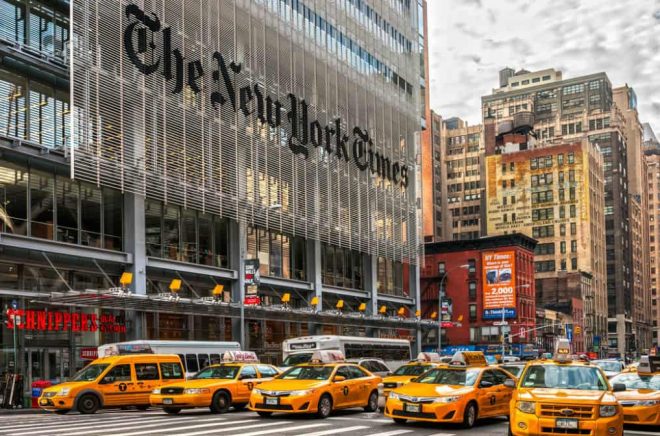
<point x="172" y="410"/>
<point x="372" y="405"/>
<point x="240" y="406"/>
<point x="325" y="407"/>
<point x="220" y="402"/>
<point x="470" y="415"/>
<point x="142" y="407"/>
<point x="88" y="404"/>
<point x="62" y="411"/>
<point x="265" y="414"/>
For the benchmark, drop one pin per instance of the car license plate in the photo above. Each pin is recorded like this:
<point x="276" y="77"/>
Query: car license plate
<point x="570" y="423"/>
<point x="412" y="408"/>
<point x="167" y="401"/>
<point x="272" y="401"/>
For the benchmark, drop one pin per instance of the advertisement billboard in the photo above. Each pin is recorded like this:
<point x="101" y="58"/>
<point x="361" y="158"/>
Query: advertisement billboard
<point x="499" y="280"/>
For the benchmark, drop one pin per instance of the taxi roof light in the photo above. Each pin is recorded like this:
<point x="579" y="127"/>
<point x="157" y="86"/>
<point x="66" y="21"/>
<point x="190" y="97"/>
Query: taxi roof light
<point x="563" y="350"/>
<point x="468" y="358"/>
<point x="240" y="357"/>
<point x="429" y="357"/>
<point x="648" y="365"/>
<point x="327" y="356"/>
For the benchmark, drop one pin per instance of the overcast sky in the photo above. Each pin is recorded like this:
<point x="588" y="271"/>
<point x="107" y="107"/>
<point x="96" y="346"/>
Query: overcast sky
<point x="471" y="40"/>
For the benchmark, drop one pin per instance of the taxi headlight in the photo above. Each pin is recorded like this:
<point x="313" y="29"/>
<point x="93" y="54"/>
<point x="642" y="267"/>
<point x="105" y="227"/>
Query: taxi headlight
<point x="63" y="392"/>
<point x="526" y="406"/>
<point x="301" y="393"/>
<point x="257" y="391"/>
<point x="606" y="411"/>
<point x="381" y="385"/>
<point x="393" y="396"/>
<point x="645" y="403"/>
<point x="195" y="391"/>
<point x="452" y="399"/>
<point x="156" y="391"/>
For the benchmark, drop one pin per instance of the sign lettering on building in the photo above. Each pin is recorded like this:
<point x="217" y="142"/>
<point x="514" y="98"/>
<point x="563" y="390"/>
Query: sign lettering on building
<point x="54" y="321"/>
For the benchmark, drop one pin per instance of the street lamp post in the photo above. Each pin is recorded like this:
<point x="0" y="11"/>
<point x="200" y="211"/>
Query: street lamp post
<point x="440" y="298"/>
<point x="526" y="285"/>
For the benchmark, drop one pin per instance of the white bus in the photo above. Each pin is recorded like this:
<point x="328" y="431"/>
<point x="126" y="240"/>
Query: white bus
<point x="395" y="352"/>
<point x="194" y="355"/>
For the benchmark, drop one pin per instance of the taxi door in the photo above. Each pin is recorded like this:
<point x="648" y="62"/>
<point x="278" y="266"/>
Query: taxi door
<point x="117" y="386"/>
<point x="343" y="391"/>
<point x="247" y="380"/>
<point x="487" y="393"/>
<point x="504" y="394"/>
<point x="361" y="385"/>
<point x="147" y="378"/>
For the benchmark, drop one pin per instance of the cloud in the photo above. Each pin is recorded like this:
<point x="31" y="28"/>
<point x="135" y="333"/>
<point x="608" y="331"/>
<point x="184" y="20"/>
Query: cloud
<point x="471" y="40"/>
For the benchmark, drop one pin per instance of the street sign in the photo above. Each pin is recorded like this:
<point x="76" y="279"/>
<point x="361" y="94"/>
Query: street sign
<point x="569" y="332"/>
<point x="252" y="300"/>
<point x="578" y="329"/>
<point x="522" y="333"/>
<point x="501" y="323"/>
<point x="252" y="276"/>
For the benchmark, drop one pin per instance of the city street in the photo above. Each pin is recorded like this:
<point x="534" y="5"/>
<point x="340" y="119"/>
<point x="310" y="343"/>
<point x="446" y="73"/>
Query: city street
<point x="199" y="422"/>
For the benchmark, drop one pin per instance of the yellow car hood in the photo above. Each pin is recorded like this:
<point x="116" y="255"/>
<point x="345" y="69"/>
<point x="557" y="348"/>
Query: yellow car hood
<point x="552" y="395"/>
<point x="201" y="383"/>
<point x="70" y="385"/>
<point x="292" y="385"/>
<point x="429" y="390"/>
<point x="398" y="378"/>
<point x="638" y="394"/>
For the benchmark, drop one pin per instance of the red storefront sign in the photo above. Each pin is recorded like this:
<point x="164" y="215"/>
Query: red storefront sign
<point x="252" y="300"/>
<point x="89" y="353"/>
<point x="43" y="320"/>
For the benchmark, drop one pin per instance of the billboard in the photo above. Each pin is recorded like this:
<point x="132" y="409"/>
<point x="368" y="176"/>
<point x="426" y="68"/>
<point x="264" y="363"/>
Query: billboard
<point x="499" y="280"/>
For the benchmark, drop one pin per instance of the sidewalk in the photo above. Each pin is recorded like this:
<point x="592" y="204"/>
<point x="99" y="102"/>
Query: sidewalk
<point x="27" y="411"/>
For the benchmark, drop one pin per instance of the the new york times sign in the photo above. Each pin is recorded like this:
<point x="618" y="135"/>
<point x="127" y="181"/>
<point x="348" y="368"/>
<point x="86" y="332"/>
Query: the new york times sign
<point x="148" y="45"/>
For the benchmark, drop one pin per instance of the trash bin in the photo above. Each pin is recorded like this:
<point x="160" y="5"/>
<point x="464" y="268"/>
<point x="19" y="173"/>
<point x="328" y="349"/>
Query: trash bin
<point x="37" y="387"/>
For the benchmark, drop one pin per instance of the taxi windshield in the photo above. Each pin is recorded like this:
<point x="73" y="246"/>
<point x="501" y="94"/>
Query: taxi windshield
<point x="411" y="370"/>
<point x="564" y="377"/>
<point x="513" y="369"/>
<point x="638" y="381"/>
<point x="90" y="372"/>
<point x="297" y="359"/>
<point x="609" y="365"/>
<point x="307" y="373"/>
<point x="220" y="372"/>
<point x="462" y="377"/>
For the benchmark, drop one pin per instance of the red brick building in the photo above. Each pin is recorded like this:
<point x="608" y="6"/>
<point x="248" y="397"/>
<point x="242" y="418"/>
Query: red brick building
<point x="474" y="285"/>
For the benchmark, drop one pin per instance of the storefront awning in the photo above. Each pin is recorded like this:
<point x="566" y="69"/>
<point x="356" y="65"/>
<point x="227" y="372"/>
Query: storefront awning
<point x="118" y="300"/>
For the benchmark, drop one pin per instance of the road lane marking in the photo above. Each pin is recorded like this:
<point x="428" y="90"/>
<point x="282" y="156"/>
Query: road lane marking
<point x="652" y="433"/>
<point x="140" y="424"/>
<point x="361" y="418"/>
<point x="287" y="430"/>
<point x="233" y="429"/>
<point x="442" y="434"/>
<point x="75" y="426"/>
<point x="335" y="431"/>
<point x="391" y="433"/>
<point x="57" y="418"/>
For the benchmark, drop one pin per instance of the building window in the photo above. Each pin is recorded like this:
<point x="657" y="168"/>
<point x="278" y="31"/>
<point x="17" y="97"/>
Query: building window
<point x="562" y="246"/>
<point x="472" y="290"/>
<point x="473" y="312"/>
<point x="389" y="277"/>
<point x="573" y="246"/>
<point x="574" y="265"/>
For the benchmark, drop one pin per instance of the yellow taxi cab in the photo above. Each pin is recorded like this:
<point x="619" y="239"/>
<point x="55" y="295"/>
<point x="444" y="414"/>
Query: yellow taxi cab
<point x="217" y="387"/>
<point x="325" y="384"/>
<point x="114" y="381"/>
<point x="564" y="396"/>
<point x="405" y="373"/>
<point x="462" y="392"/>
<point x="641" y="399"/>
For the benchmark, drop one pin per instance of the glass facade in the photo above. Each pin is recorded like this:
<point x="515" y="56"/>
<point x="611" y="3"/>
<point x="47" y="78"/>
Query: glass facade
<point x="46" y="205"/>
<point x="279" y="255"/>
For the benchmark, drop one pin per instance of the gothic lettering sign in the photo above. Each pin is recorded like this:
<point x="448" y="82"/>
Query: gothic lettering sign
<point x="356" y="146"/>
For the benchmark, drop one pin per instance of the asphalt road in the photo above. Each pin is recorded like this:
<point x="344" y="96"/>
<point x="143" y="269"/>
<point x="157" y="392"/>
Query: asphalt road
<point x="201" y="422"/>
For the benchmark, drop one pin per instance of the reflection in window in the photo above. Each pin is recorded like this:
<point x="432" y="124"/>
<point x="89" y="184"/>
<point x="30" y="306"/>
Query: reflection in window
<point x="67" y="210"/>
<point x="341" y="267"/>
<point x="389" y="277"/>
<point x="13" y="199"/>
<point x="279" y="255"/>
<point x="90" y="215"/>
<point x="41" y="204"/>
<point x="112" y="219"/>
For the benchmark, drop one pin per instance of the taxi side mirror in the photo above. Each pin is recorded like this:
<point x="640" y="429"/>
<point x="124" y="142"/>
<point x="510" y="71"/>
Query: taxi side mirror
<point x="486" y="384"/>
<point x="618" y="387"/>
<point x="509" y="383"/>
<point x="339" y="378"/>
